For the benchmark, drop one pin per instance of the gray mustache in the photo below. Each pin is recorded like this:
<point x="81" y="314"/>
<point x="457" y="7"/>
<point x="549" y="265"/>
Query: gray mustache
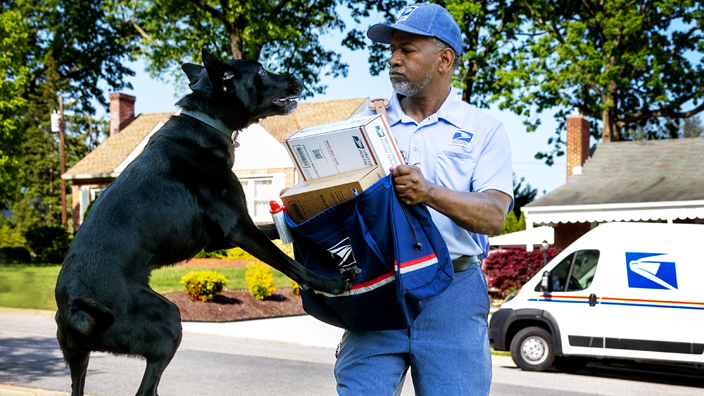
<point x="396" y="71"/>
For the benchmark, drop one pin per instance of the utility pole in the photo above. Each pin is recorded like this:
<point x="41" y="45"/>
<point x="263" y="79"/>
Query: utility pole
<point x="62" y="161"/>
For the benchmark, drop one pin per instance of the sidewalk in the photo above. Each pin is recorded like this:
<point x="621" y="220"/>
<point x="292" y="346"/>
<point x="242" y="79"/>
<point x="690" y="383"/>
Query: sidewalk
<point x="301" y="330"/>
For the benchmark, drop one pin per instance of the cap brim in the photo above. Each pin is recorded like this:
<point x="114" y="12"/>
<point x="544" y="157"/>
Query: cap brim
<point x="382" y="33"/>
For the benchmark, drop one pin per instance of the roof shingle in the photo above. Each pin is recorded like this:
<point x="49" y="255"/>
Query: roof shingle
<point x="632" y="172"/>
<point x="108" y="155"/>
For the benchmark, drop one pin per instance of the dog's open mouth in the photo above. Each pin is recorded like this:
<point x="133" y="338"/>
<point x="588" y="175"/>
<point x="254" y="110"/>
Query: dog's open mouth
<point x="286" y="100"/>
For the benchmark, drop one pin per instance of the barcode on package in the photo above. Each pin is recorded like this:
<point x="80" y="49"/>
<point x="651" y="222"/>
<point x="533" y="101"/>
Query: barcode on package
<point x="316" y="154"/>
<point x="302" y="156"/>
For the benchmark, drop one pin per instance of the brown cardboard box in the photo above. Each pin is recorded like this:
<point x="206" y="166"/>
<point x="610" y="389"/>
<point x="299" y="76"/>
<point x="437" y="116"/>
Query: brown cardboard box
<point x="308" y="198"/>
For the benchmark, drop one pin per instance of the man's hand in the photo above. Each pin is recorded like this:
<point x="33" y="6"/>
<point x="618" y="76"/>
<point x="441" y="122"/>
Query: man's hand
<point x="410" y="185"/>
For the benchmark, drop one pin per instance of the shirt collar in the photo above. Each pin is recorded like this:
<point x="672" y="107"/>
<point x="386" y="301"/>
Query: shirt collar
<point x="451" y="110"/>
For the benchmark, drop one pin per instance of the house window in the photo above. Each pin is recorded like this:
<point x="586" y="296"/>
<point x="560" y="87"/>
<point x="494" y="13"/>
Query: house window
<point x="259" y="190"/>
<point x="88" y="195"/>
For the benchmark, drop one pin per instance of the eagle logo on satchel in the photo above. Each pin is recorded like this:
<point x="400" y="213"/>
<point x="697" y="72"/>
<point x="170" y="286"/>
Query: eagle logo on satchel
<point x="344" y="256"/>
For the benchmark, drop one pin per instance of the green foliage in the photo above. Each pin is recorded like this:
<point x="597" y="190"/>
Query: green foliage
<point x="28" y="286"/>
<point x="295" y="288"/>
<point x="260" y="280"/>
<point x="14" y="255"/>
<point x="48" y="243"/>
<point x="203" y="285"/>
<point x="166" y="280"/>
<point x="283" y="36"/>
<point x="522" y="196"/>
<point x="623" y="64"/>
<point x="50" y="48"/>
<point x="512" y="224"/>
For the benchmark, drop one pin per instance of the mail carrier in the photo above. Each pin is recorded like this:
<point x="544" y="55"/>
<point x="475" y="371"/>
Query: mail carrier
<point x="623" y="290"/>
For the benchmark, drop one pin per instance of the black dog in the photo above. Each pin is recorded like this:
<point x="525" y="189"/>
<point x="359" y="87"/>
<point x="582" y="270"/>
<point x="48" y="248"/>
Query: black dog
<point x="178" y="197"/>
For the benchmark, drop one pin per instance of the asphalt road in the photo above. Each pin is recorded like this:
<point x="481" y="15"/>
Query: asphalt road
<point x="215" y="365"/>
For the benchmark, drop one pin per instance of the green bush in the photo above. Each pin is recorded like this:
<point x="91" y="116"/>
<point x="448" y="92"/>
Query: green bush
<point x="15" y="255"/>
<point x="260" y="280"/>
<point x="295" y="288"/>
<point x="203" y="285"/>
<point x="49" y="243"/>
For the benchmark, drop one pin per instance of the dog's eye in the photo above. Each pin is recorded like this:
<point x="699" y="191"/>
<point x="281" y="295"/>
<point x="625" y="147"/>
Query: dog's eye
<point x="262" y="72"/>
<point x="228" y="75"/>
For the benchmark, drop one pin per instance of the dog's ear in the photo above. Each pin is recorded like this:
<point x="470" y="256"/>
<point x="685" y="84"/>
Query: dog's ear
<point x="218" y="72"/>
<point x="193" y="72"/>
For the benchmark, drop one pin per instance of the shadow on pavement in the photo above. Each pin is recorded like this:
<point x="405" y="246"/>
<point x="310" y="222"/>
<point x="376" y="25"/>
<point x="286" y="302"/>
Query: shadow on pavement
<point x="29" y="359"/>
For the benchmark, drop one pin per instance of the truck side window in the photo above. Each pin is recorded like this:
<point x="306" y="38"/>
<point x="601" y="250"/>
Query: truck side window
<point x="583" y="270"/>
<point x="560" y="272"/>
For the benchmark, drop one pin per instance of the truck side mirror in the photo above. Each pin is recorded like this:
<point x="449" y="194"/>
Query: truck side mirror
<point x="545" y="282"/>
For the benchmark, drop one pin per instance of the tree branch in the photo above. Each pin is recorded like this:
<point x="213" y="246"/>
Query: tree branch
<point x="149" y="38"/>
<point x="210" y="10"/>
<point x="659" y="113"/>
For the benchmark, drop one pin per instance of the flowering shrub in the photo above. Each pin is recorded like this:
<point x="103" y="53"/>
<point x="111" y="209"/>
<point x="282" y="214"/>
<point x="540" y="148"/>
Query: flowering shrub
<point x="203" y="285"/>
<point x="508" y="269"/>
<point x="295" y="288"/>
<point x="260" y="280"/>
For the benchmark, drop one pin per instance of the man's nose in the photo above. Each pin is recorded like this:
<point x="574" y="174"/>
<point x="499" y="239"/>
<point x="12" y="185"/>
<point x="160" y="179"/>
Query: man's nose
<point x="394" y="60"/>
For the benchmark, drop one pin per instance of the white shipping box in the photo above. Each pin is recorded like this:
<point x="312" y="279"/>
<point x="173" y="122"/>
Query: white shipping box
<point x="343" y="146"/>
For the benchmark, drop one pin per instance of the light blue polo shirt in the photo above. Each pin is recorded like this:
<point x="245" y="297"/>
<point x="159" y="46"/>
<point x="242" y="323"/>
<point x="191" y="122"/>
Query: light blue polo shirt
<point x="459" y="147"/>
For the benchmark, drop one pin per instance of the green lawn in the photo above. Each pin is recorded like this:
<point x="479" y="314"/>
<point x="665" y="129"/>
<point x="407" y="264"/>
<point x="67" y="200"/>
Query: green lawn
<point x="32" y="286"/>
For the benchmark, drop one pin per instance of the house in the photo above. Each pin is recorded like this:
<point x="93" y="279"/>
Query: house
<point x="261" y="162"/>
<point x="643" y="181"/>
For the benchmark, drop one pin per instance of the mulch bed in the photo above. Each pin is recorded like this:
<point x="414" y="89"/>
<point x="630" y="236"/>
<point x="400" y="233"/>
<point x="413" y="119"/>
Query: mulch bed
<point x="232" y="305"/>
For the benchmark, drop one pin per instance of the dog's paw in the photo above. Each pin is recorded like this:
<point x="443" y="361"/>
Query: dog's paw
<point x="347" y="279"/>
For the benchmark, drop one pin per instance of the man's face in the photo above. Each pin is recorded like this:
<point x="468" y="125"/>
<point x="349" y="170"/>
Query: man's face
<point x="413" y="62"/>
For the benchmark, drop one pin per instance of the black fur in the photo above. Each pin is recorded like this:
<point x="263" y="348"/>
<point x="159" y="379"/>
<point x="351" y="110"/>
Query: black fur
<point x="178" y="197"/>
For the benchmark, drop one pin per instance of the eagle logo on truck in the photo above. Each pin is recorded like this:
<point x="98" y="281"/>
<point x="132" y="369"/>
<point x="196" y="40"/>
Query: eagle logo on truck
<point x="651" y="271"/>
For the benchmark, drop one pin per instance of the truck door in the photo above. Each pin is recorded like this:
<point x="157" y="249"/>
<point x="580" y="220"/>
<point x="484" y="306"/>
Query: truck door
<point x="573" y="301"/>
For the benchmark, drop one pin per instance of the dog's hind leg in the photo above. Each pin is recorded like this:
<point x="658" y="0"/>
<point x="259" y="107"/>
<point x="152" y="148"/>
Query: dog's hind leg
<point x="78" y="363"/>
<point x="150" y="381"/>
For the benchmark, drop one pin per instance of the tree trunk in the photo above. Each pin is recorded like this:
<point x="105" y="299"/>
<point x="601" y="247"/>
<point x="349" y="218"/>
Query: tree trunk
<point x="236" y="45"/>
<point x="610" y="131"/>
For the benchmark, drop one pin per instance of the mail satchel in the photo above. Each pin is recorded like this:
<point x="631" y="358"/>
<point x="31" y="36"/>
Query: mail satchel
<point x="396" y="251"/>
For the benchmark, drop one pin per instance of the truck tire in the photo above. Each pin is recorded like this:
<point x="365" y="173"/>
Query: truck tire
<point x="532" y="349"/>
<point x="569" y="364"/>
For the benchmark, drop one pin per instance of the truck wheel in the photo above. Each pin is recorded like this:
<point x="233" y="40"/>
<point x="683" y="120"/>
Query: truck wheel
<point x="532" y="349"/>
<point x="569" y="364"/>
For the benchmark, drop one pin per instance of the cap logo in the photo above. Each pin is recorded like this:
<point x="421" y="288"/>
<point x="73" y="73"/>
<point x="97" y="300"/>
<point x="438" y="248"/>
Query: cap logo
<point x="406" y="13"/>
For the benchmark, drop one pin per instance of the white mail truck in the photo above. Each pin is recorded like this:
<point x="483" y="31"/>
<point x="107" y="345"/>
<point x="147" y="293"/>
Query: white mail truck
<point x="622" y="290"/>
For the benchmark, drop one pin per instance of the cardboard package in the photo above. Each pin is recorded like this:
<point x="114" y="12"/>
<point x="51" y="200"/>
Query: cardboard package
<point x="343" y="146"/>
<point x="308" y="198"/>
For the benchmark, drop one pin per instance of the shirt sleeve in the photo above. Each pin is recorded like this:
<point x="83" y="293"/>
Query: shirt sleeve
<point x="494" y="169"/>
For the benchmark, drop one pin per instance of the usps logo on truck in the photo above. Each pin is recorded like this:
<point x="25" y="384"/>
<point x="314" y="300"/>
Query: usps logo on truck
<point x="651" y="271"/>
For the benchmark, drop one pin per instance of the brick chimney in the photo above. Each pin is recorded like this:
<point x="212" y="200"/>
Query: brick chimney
<point x="577" y="143"/>
<point x="121" y="111"/>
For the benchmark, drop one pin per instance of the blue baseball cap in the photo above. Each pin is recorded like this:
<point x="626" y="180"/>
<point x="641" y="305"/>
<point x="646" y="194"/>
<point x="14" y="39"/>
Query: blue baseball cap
<point x="423" y="19"/>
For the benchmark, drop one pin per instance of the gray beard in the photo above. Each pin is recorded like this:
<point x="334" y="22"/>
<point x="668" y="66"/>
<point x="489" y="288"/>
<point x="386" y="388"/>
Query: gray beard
<point x="409" y="89"/>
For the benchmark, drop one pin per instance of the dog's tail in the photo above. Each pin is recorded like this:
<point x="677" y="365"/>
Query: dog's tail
<point x="88" y="317"/>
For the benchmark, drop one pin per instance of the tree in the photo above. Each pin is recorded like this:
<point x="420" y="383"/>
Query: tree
<point x="52" y="48"/>
<point x="623" y="64"/>
<point x="281" y="34"/>
<point x="490" y="29"/>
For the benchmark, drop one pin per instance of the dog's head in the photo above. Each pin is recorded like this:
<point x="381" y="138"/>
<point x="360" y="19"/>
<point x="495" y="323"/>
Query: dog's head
<point x="243" y="86"/>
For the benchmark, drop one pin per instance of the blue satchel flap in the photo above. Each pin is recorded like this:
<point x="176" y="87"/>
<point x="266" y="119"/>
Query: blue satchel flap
<point x="369" y="235"/>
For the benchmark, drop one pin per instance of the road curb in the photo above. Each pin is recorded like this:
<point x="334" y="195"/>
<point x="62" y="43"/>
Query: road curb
<point x="12" y="390"/>
<point x="40" y="313"/>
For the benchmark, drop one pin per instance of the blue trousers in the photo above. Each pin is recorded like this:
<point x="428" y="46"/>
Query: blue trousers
<point x="447" y="348"/>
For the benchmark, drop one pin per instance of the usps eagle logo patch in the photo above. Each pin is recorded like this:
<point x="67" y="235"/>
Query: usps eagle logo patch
<point x="461" y="138"/>
<point x="406" y="13"/>
<point x="651" y="271"/>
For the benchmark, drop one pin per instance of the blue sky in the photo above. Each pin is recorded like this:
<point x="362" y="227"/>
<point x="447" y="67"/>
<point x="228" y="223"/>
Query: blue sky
<point x="155" y="96"/>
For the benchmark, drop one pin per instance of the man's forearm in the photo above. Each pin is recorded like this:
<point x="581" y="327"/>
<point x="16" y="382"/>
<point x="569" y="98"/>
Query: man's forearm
<point x="480" y="213"/>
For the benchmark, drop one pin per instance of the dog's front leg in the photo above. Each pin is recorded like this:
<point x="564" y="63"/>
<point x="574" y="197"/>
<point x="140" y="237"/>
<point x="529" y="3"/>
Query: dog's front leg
<point x="269" y="230"/>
